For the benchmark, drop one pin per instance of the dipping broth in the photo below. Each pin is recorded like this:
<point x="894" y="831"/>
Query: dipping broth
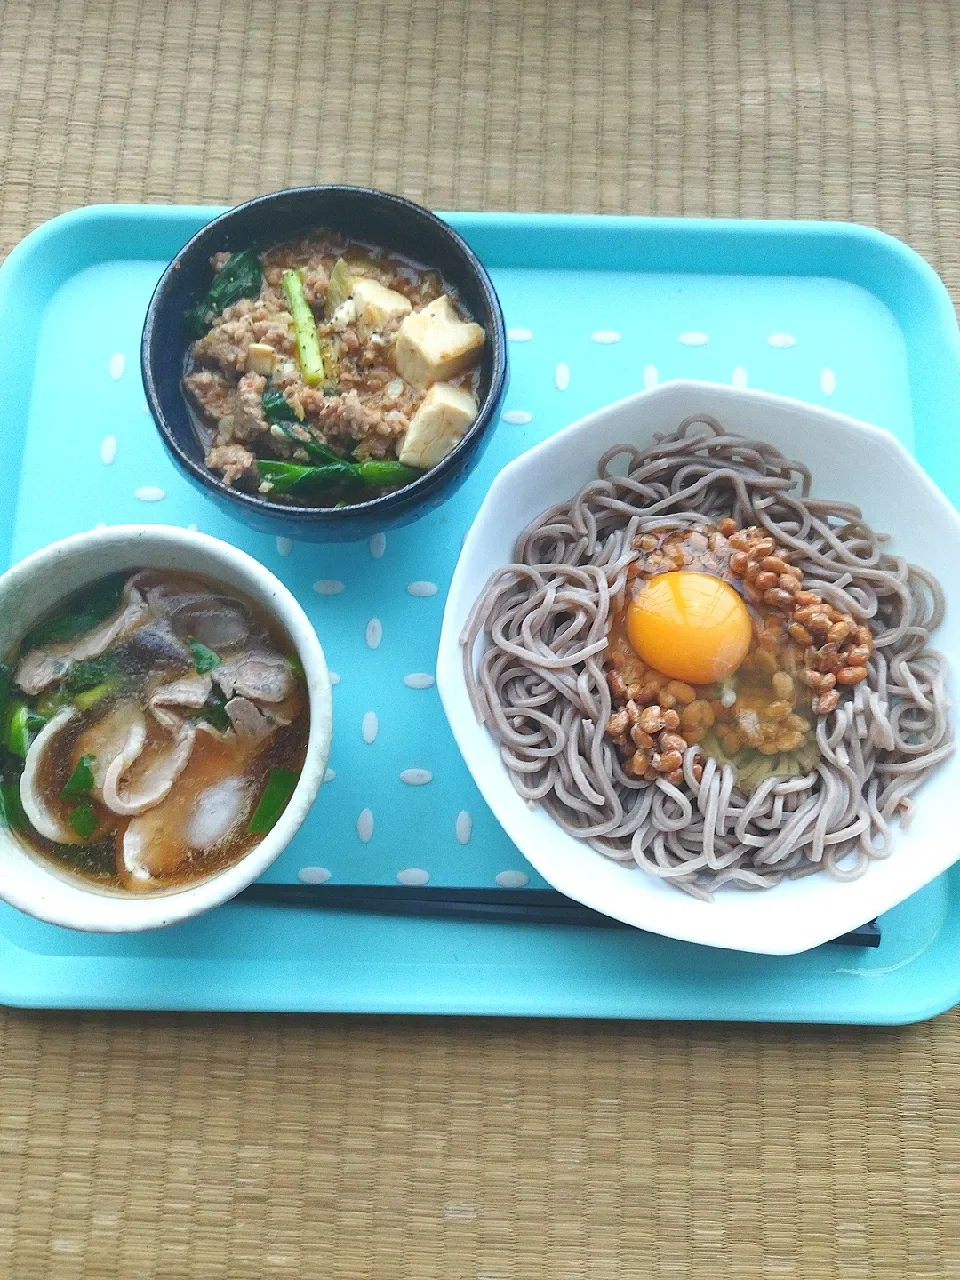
<point x="154" y="727"/>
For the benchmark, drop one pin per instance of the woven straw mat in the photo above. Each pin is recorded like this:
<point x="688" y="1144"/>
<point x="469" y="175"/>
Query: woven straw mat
<point x="411" y="1149"/>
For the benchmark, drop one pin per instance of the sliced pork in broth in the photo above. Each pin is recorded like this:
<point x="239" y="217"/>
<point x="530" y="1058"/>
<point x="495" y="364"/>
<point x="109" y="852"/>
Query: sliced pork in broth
<point x="153" y="730"/>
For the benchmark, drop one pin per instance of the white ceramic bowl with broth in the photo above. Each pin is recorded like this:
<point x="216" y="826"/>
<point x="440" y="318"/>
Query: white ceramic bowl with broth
<point x="849" y="461"/>
<point x="34" y="587"/>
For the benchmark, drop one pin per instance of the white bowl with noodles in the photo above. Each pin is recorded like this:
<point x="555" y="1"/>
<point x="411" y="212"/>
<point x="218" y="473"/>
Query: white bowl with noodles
<point x="29" y="591"/>
<point x="851" y="462"/>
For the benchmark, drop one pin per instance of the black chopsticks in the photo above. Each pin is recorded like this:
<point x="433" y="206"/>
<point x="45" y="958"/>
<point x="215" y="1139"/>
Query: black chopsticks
<point x="501" y="906"/>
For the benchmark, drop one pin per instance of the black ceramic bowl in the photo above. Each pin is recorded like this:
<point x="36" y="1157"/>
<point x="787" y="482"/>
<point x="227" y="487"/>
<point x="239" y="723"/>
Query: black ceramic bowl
<point x="362" y="214"/>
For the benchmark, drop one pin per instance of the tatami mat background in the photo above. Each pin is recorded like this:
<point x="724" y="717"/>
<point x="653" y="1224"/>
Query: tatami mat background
<point x="376" y="1149"/>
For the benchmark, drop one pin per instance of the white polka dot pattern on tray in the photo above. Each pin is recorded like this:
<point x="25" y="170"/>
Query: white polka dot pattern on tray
<point x="365" y="826"/>
<point x="519" y="335"/>
<point x="329" y="587"/>
<point x="314" y="875"/>
<point x="370" y="727"/>
<point x="373" y="633"/>
<point x="378" y="545"/>
<point x="419" y="680"/>
<point x="739" y="378"/>
<point x="334" y="678"/>
<point x="329" y="775"/>
<point x="605" y="337"/>
<point x="828" y="382"/>
<point x="413" y="875"/>
<point x="517" y="417"/>
<point x="150" y="493"/>
<point x="464" y="827"/>
<point x="108" y="450"/>
<point x="694" y="338"/>
<point x="117" y="363"/>
<point x="416" y="777"/>
<point x="782" y="340"/>
<point x="512" y="879"/>
<point x="284" y="546"/>
<point x="422" y="588"/>
<point x="561" y="376"/>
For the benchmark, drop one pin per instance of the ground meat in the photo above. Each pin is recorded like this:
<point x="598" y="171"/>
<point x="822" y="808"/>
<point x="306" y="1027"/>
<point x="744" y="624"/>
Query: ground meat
<point x="351" y="426"/>
<point x="237" y="465"/>
<point x="220" y="260"/>
<point x="315" y="284"/>
<point x="212" y="392"/>
<point x="249" y="320"/>
<point x="249" y="420"/>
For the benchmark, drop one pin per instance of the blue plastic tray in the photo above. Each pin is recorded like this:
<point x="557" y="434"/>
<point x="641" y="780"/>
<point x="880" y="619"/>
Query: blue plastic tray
<point x="598" y="307"/>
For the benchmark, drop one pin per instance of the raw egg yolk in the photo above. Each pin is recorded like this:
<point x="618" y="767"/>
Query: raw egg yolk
<point x="689" y="626"/>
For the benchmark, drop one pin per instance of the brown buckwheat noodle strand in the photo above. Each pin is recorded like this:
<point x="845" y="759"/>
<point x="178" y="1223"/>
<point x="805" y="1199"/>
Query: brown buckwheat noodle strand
<point x="540" y="687"/>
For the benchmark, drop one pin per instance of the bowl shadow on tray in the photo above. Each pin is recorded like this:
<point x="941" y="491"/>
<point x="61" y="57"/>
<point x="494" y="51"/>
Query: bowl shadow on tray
<point x="362" y="214"/>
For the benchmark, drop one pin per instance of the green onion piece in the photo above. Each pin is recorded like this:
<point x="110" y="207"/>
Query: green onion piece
<point x="81" y="780"/>
<point x="204" y="659"/>
<point x="239" y="277"/>
<point x="87" y="675"/>
<point x="295" y="665"/>
<point x="373" y="471"/>
<point x="16" y="732"/>
<point x="213" y="711"/>
<point x="90" y="697"/>
<point x="50" y="702"/>
<point x="304" y="328"/>
<point x="35" y="723"/>
<point x="83" y="819"/>
<point x="276" y="407"/>
<point x="11" y="809"/>
<point x="280" y="787"/>
<point x="92" y="607"/>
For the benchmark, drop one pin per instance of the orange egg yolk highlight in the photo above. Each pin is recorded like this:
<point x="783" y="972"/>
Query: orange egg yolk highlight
<point x="689" y="626"/>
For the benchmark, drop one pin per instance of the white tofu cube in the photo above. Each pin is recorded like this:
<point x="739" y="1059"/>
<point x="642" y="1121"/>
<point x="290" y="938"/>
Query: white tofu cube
<point x="261" y="358"/>
<point x="438" y="426"/>
<point x="435" y="344"/>
<point x="377" y="304"/>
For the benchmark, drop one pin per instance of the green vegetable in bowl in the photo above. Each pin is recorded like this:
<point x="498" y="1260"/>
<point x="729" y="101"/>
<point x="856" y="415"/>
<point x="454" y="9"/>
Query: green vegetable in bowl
<point x="90" y="697"/>
<point x="313" y="448"/>
<point x="11" y="809"/>
<point x="277" y="408"/>
<point x="280" y="787"/>
<point x="84" y="820"/>
<point x="239" y="277"/>
<point x="16" y="729"/>
<point x="204" y="659"/>
<point x="88" y="674"/>
<point x="304" y="328"/>
<point x="92" y="607"/>
<point x="80" y="782"/>
<point x="287" y="477"/>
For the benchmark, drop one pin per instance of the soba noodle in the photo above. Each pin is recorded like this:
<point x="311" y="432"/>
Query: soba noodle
<point x="540" y="685"/>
